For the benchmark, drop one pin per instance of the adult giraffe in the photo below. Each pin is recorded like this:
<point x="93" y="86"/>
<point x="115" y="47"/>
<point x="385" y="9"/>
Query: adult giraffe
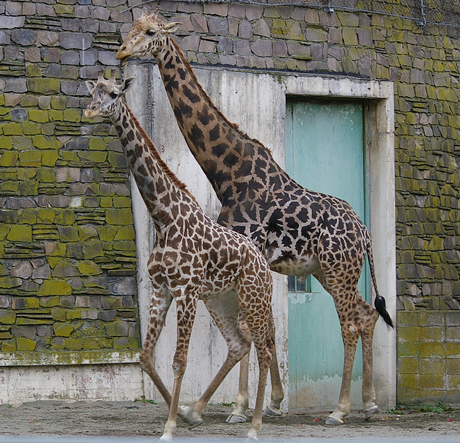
<point x="299" y="231"/>
<point x="193" y="259"/>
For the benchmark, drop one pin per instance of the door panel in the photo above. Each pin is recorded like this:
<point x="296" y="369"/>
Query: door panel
<point x="325" y="153"/>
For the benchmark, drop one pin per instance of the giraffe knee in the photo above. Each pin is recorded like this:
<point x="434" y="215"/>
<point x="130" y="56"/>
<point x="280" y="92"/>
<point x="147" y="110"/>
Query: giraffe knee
<point x="354" y="328"/>
<point x="178" y="368"/>
<point x="144" y="360"/>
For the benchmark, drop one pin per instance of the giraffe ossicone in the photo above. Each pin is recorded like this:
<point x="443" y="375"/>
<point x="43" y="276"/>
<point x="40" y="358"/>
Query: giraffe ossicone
<point x="299" y="231"/>
<point x="193" y="259"/>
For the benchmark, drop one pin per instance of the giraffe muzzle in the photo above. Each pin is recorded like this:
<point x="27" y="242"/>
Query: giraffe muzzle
<point x="91" y="111"/>
<point x="122" y="54"/>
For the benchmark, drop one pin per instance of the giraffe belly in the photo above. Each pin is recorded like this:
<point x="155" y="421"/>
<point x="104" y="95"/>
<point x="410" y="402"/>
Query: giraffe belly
<point x="298" y="266"/>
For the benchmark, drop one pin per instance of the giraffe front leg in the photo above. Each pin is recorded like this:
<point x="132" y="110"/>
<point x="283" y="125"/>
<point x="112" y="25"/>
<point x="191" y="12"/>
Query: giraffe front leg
<point x="186" y="311"/>
<point x="159" y="306"/>
<point x="350" y="336"/>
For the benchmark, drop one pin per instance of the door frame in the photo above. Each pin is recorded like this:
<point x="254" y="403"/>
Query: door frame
<point x="379" y="139"/>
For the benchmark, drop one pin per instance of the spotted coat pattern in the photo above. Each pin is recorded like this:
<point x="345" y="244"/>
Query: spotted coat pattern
<point x="299" y="231"/>
<point x="193" y="259"/>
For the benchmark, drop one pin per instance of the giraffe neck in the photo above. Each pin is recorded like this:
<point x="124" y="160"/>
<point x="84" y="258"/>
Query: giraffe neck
<point x="218" y="145"/>
<point x="161" y="191"/>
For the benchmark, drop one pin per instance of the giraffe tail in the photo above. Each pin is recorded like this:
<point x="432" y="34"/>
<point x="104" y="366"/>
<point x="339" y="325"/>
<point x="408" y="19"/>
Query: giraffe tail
<point x="379" y="301"/>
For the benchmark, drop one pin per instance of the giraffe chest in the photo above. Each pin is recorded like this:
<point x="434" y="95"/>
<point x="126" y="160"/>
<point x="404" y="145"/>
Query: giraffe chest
<point x="207" y="262"/>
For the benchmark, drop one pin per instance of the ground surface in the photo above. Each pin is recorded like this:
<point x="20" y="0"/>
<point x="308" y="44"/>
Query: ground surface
<point x="143" y="418"/>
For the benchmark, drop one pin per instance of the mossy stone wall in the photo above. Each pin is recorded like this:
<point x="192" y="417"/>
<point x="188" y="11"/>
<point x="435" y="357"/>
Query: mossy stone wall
<point x="67" y="250"/>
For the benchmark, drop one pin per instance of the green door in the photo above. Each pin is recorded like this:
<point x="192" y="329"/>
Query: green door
<point x="325" y="153"/>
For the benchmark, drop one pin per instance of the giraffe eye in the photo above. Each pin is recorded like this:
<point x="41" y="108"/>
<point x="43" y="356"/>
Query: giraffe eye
<point x="150" y="32"/>
<point x="113" y="95"/>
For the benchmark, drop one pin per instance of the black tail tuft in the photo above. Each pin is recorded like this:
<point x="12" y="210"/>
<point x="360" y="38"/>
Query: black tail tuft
<point x="381" y="307"/>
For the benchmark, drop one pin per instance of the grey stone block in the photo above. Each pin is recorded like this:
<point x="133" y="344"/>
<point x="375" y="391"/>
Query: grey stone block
<point x="70" y="58"/>
<point x="9" y="22"/>
<point x="88" y="58"/>
<point x="190" y="43"/>
<point x="19" y="115"/>
<point x="225" y="45"/>
<point x="48" y="38"/>
<point x="15" y="85"/>
<point x="245" y="30"/>
<point x="262" y="48"/>
<point x="108" y="58"/>
<point x="4" y="38"/>
<point x="218" y="26"/>
<point x="45" y="10"/>
<point x="241" y="47"/>
<point x="75" y="40"/>
<point x="254" y="12"/>
<point x="82" y="12"/>
<point x="261" y="28"/>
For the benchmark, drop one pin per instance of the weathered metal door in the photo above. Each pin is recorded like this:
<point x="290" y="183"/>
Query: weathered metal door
<point x="325" y="153"/>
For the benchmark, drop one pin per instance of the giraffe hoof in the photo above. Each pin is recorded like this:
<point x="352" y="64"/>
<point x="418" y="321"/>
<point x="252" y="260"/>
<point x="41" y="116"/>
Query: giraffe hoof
<point x="370" y="412"/>
<point x="166" y="437"/>
<point x="334" y="421"/>
<point x="183" y="411"/>
<point x="252" y="435"/>
<point x="195" y="424"/>
<point x="190" y="416"/>
<point x="234" y="418"/>
<point x="272" y="412"/>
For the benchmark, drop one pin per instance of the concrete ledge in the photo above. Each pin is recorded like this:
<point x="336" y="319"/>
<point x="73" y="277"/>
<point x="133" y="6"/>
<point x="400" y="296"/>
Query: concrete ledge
<point x="67" y="358"/>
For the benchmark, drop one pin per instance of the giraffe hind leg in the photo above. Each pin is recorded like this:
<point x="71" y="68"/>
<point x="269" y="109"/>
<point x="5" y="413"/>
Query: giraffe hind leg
<point x="225" y="313"/>
<point x="370" y="317"/>
<point x="238" y="415"/>
<point x="350" y="335"/>
<point x="277" y="394"/>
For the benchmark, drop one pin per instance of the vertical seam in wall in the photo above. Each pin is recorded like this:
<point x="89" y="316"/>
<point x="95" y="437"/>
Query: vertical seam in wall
<point x="150" y="102"/>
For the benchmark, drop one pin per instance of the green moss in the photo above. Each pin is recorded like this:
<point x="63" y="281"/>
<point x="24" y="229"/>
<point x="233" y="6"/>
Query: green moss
<point x="66" y="217"/>
<point x="45" y="86"/>
<point x="107" y="233"/>
<point x="38" y="115"/>
<point x="9" y="159"/>
<point x="25" y="344"/>
<point x="119" y="217"/>
<point x="21" y="233"/>
<point x="125" y="233"/>
<point x="7" y="317"/>
<point x="88" y="267"/>
<point x="54" y="287"/>
<point x="63" y="330"/>
<point x="30" y="159"/>
<point x="97" y="144"/>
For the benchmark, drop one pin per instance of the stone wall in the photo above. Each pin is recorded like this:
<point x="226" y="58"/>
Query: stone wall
<point x="67" y="252"/>
<point x="65" y="221"/>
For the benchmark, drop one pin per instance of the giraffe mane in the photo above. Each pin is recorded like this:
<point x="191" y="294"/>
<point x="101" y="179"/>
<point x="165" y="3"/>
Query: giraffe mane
<point x="212" y="105"/>
<point x="182" y="186"/>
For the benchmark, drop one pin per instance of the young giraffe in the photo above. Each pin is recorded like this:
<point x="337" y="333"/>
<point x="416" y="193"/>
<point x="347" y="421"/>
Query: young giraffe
<point x="299" y="231"/>
<point x="193" y="259"/>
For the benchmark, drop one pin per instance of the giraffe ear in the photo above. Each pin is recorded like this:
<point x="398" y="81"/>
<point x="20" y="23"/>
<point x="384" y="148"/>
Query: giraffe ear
<point x="127" y="83"/>
<point x="171" y="27"/>
<point x="90" y="85"/>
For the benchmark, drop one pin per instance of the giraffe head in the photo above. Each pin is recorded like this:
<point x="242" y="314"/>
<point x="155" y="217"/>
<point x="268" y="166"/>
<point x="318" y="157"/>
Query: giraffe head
<point x="147" y="36"/>
<point x="106" y="95"/>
